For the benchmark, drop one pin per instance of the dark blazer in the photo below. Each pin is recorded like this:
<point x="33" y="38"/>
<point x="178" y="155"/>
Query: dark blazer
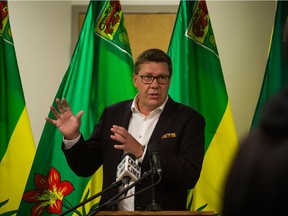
<point x="181" y="154"/>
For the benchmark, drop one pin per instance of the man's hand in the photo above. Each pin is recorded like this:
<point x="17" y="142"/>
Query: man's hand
<point x="66" y="122"/>
<point x="128" y="142"/>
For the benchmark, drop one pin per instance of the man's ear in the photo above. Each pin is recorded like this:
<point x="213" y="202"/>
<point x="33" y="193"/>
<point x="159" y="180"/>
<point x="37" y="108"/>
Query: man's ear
<point x="135" y="77"/>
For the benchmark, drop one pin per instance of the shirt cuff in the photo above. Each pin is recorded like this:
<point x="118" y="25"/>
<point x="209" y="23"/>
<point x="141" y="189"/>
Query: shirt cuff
<point x="70" y="143"/>
<point x="140" y="159"/>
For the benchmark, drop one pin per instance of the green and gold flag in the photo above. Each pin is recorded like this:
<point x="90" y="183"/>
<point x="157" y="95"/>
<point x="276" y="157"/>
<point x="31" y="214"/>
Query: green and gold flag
<point x="276" y="74"/>
<point x="17" y="148"/>
<point x="198" y="82"/>
<point x="100" y="74"/>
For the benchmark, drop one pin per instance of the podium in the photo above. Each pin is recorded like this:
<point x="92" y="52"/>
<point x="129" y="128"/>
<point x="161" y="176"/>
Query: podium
<point x="156" y="213"/>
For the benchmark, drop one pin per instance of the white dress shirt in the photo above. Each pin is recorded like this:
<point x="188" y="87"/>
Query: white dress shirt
<point x="141" y="128"/>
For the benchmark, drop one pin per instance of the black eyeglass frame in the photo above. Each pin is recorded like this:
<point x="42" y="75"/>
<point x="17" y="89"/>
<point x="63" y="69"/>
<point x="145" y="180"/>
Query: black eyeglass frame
<point x="160" y="77"/>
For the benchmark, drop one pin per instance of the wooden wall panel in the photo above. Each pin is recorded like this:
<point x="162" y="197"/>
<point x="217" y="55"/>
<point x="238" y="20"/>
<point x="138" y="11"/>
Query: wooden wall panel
<point x="149" y="31"/>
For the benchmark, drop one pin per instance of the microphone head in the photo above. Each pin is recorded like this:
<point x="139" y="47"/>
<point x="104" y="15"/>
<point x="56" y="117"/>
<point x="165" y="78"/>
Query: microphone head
<point x="152" y="148"/>
<point x="128" y="168"/>
<point x="154" y="158"/>
<point x="128" y="154"/>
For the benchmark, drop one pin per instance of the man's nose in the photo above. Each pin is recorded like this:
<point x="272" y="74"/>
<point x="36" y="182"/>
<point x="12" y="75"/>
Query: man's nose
<point x="155" y="83"/>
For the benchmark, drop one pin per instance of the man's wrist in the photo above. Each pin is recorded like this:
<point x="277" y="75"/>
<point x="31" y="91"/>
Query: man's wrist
<point x="143" y="150"/>
<point x="70" y="143"/>
<point x="72" y="137"/>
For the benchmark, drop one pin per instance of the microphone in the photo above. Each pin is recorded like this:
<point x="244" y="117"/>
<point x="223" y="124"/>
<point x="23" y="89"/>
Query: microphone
<point x="156" y="168"/>
<point x="154" y="158"/>
<point x="114" y="200"/>
<point x="128" y="170"/>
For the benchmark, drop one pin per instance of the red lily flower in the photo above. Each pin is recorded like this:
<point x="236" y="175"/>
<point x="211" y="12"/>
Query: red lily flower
<point x="49" y="193"/>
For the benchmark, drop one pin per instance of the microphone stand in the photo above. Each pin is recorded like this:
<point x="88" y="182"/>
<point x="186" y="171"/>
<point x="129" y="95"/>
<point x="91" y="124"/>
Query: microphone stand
<point x="112" y="200"/>
<point x="113" y="185"/>
<point x="153" y="206"/>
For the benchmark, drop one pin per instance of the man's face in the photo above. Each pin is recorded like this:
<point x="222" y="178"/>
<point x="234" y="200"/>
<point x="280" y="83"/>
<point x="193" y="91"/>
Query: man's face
<point x="151" y="95"/>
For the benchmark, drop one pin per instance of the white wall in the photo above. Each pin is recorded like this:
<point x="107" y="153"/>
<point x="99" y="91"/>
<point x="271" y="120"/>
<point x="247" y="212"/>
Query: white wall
<point x="41" y="33"/>
<point x="42" y="38"/>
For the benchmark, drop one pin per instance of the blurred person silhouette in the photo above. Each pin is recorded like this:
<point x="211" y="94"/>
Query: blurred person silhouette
<point x="257" y="183"/>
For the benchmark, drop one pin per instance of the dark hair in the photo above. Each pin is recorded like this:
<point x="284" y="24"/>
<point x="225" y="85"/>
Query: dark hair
<point x="152" y="55"/>
<point x="274" y="116"/>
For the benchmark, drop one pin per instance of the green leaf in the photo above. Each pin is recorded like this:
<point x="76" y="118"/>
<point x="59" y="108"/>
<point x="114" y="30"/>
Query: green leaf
<point x="9" y="213"/>
<point x="3" y="203"/>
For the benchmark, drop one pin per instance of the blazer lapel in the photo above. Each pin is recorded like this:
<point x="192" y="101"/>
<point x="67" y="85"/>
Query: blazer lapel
<point x="164" y="121"/>
<point x="126" y="113"/>
<point x="124" y="120"/>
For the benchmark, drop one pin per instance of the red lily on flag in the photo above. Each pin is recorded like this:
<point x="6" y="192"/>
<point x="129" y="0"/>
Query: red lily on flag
<point x="50" y="193"/>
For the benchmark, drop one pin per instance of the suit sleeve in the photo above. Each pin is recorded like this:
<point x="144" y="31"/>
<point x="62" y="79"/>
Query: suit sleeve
<point x="85" y="157"/>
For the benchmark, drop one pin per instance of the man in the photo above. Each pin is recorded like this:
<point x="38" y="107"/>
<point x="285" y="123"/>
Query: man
<point x="130" y="126"/>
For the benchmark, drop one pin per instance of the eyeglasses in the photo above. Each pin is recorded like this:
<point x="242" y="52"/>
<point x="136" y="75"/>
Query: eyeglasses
<point x="148" y="79"/>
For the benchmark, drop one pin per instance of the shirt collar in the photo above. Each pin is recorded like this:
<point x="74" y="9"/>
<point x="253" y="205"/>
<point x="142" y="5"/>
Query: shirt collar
<point x="134" y="107"/>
